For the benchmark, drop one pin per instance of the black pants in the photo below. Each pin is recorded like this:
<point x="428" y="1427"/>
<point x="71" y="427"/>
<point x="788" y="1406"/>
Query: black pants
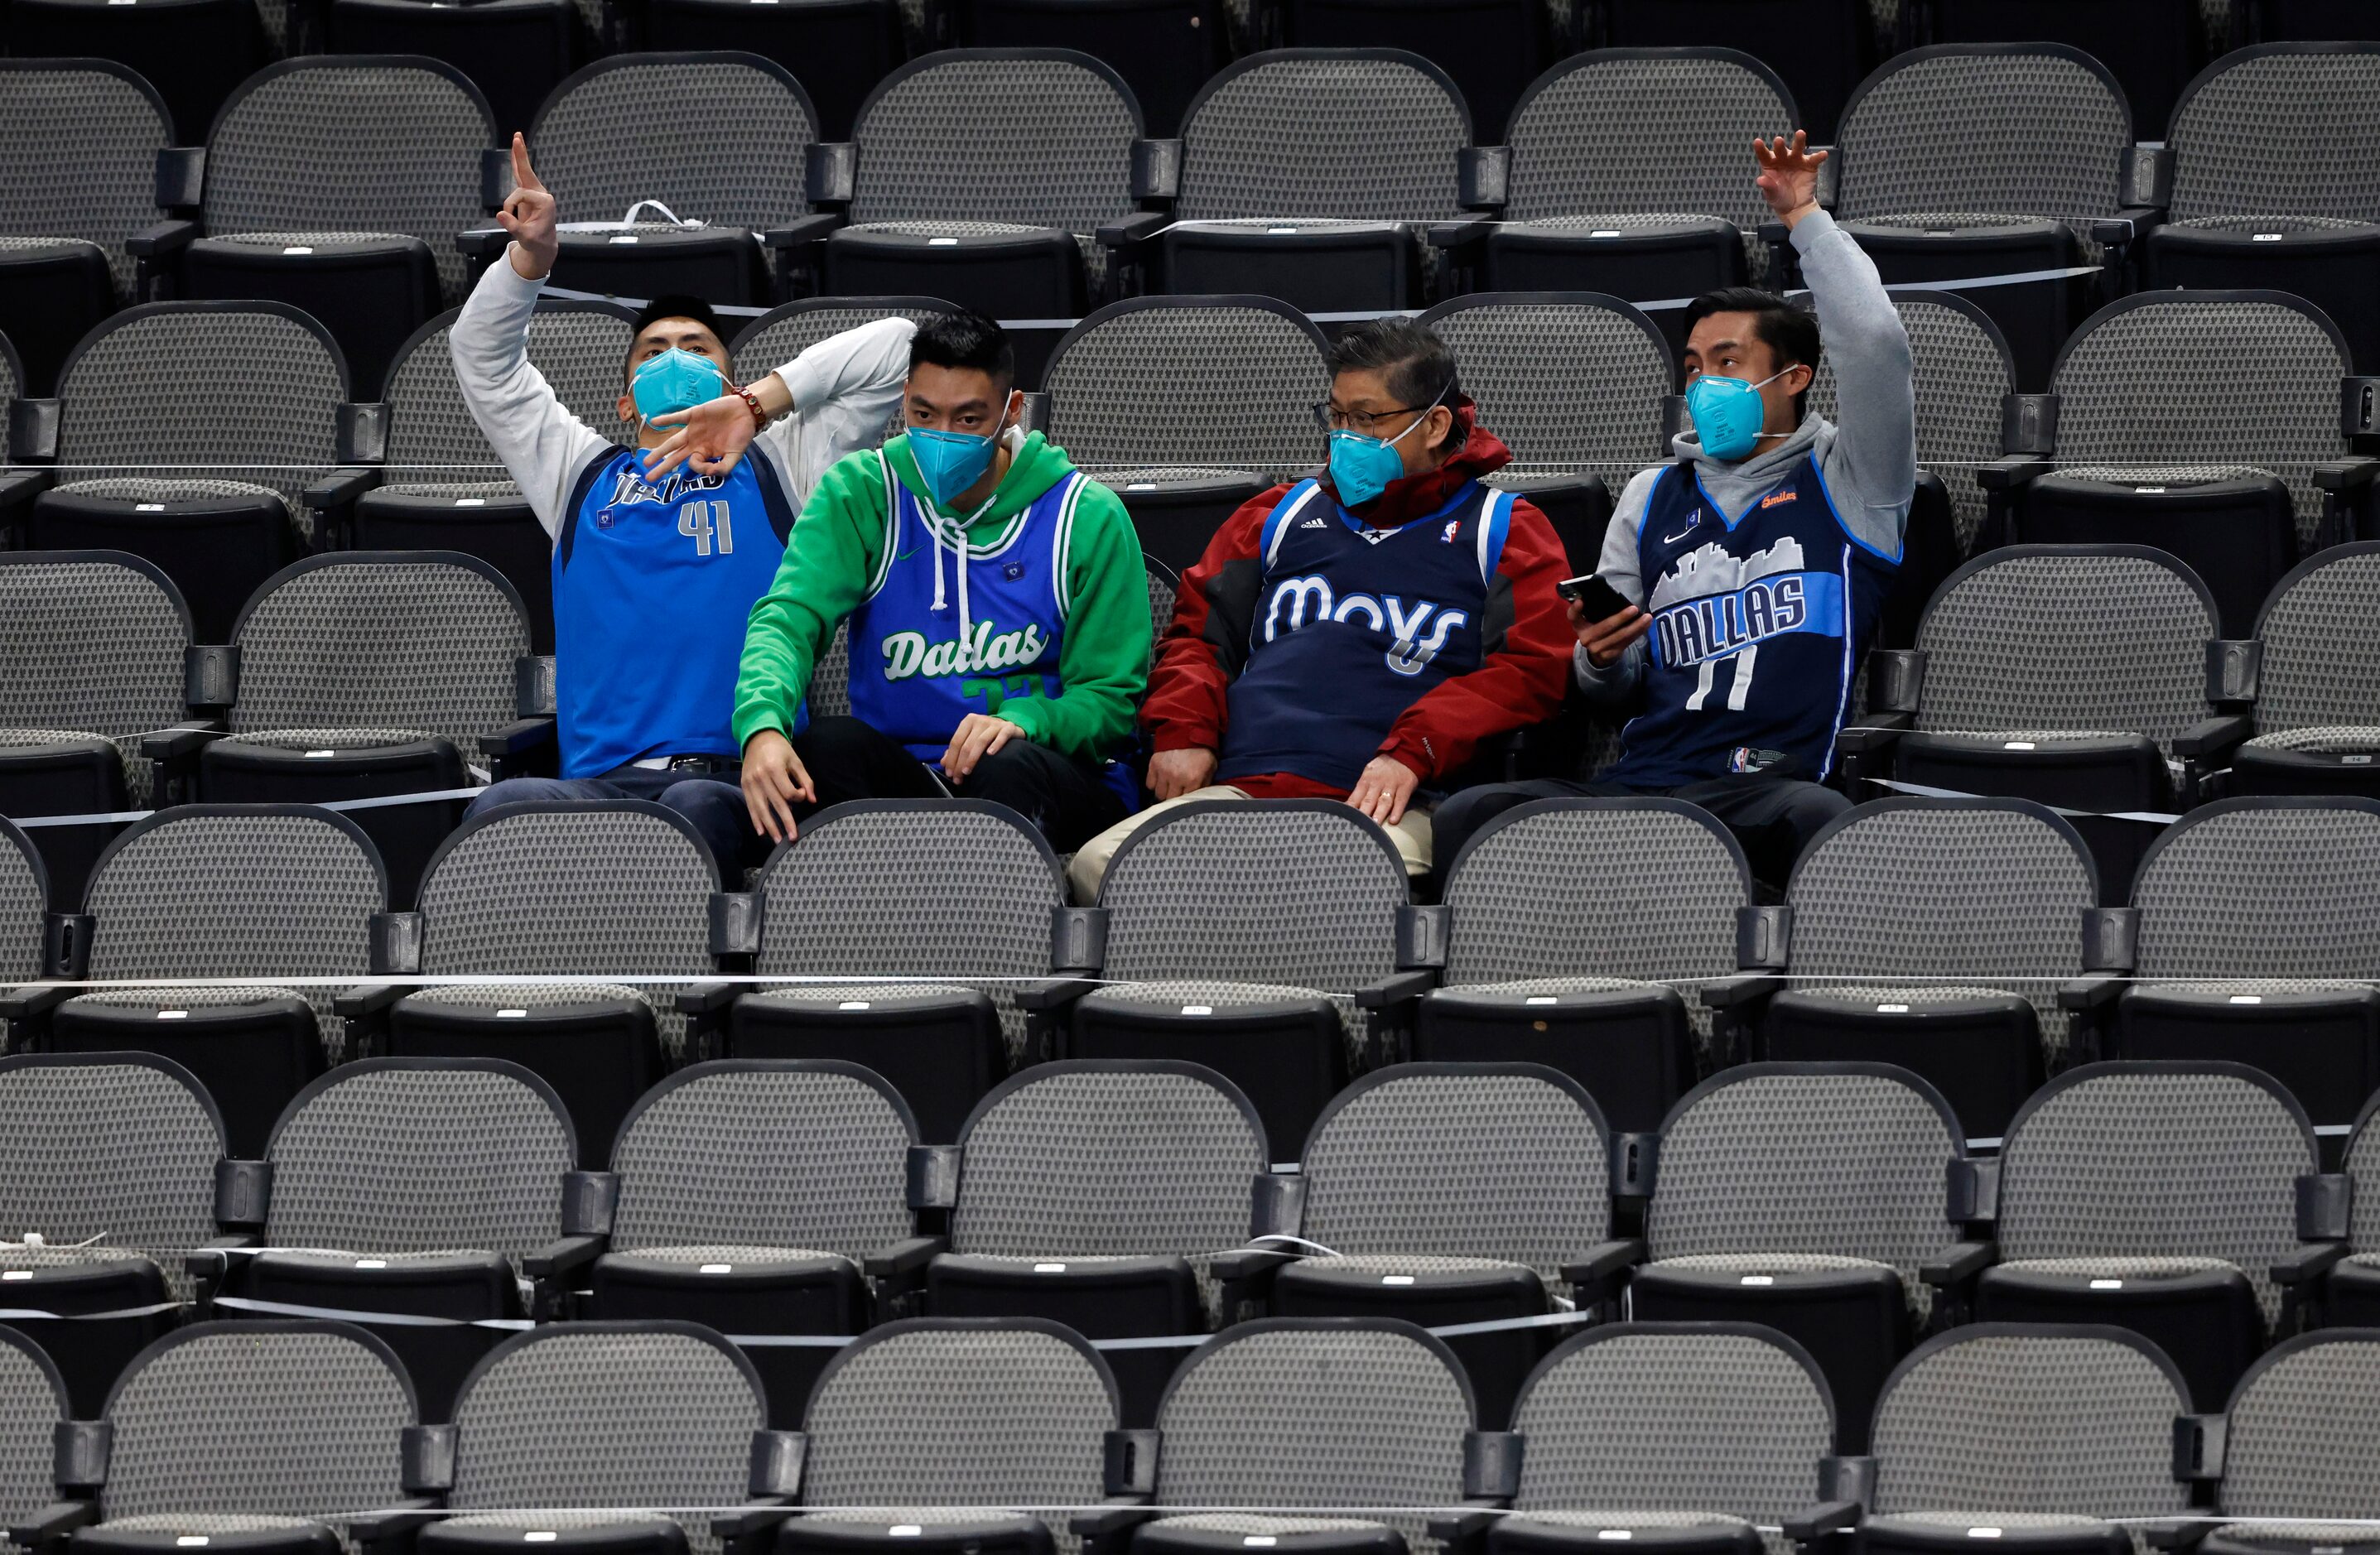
<point x="1065" y="800"/>
<point x="1773" y="818"/>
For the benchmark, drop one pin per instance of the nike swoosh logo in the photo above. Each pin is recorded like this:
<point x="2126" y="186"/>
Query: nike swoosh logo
<point x="1673" y="540"/>
<point x="906" y="554"/>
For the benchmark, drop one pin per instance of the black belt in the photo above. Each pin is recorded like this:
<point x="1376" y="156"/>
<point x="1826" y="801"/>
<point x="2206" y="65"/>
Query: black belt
<point x="728" y="764"/>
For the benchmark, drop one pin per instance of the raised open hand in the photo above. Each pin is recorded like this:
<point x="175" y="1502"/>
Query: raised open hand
<point x="710" y="438"/>
<point x="528" y="214"/>
<point x="1788" y="174"/>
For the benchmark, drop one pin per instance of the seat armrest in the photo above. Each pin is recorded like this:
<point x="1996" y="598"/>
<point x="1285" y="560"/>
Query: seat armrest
<point x="1398" y="989"/>
<point x="32" y="1001"/>
<point x="2212" y="739"/>
<point x="1874" y="731"/>
<point x="760" y="1518"/>
<point x="564" y="1256"/>
<point x="2173" y="1536"/>
<point x="707" y="999"/>
<point x="2011" y="474"/>
<point x="2345" y="475"/>
<point x="338" y="491"/>
<point x="1466" y="1531"/>
<point x="2345" y="484"/>
<point x="1958" y="1263"/>
<point x="481" y="245"/>
<point x="1106" y="1528"/>
<point x="163" y="240"/>
<point x="18" y="490"/>
<point x="1051" y="993"/>
<point x="808" y="229"/>
<point x="2306" y="1264"/>
<point x="392" y="1528"/>
<point x="366" y="1000"/>
<point x="1599" y="1275"/>
<point x="1453" y="236"/>
<point x="907" y="1256"/>
<point x="181" y="741"/>
<point x="2093" y="991"/>
<point x="1827" y="1517"/>
<point x="49" y="1528"/>
<point x="1133" y="230"/>
<point x="1249" y="1263"/>
<point x="1744" y="989"/>
<point x="518" y="738"/>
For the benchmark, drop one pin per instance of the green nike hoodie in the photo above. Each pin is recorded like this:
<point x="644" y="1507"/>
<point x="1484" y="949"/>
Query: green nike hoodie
<point x="838" y="543"/>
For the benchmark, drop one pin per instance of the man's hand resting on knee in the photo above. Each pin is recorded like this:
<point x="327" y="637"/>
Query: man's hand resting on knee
<point x="1172" y="773"/>
<point x="1384" y="788"/>
<point x="977" y="735"/>
<point x="773" y="779"/>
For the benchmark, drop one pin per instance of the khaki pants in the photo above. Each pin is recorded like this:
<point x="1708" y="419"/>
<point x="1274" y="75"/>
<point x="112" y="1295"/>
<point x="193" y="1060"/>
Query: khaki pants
<point x="1411" y="836"/>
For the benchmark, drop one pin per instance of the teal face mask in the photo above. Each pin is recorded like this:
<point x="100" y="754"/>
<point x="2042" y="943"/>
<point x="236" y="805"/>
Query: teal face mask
<point x="949" y="462"/>
<point x="1728" y="413"/>
<point x="1360" y="468"/>
<point x="675" y="380"/>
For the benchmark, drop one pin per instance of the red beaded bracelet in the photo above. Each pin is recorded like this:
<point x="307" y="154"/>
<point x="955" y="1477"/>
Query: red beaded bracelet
<point x="752" y="403"/>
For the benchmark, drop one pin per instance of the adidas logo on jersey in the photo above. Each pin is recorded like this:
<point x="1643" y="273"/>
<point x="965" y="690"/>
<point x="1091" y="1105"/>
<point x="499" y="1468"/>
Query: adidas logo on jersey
<point x="1313" y="524"/>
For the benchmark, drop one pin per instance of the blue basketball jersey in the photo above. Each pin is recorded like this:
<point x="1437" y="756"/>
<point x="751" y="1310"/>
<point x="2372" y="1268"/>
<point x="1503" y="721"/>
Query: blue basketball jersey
<point x="651" y="587"/>
<point x="912" y="677"/>
<point x="1758" y="626"/>
<point x="1353" y="625"/>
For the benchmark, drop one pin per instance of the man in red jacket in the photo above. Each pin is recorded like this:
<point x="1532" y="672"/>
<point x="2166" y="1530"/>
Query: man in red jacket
<point x="1356" y="636"/>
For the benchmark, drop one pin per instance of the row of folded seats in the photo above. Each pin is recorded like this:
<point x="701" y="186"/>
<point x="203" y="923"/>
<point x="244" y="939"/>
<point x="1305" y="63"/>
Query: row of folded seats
<point x="1350" y="1437"/>
<point x="790" y="1205"/>
<point x="1025" y="184"/>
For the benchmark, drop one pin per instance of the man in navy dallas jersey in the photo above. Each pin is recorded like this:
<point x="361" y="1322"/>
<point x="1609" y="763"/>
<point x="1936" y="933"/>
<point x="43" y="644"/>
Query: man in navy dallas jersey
<point x="1755" y="563"/>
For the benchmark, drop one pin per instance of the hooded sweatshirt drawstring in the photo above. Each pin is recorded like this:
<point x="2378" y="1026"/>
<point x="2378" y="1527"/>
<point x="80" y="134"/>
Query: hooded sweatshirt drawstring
<point x="940" y="530"/>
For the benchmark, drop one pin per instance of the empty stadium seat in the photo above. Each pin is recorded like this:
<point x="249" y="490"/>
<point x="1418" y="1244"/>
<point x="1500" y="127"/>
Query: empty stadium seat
<point x="1819" y="47"/>
<point x="32" y="1406"/>
<point x="681" y="1416"/>
<point x="2017" y="1433"/>
<point x="2207" y="424"/>
<point x="1302" y="174"/>
<point x="2350" y="1293"/>
<point x="410" y="1186"/>
<point x="1289" y="982"/>
<point x="982" y="175"/>
<point x="2158" y="1197"/>
<point x="762" y="1198"/>
<point x="441" y="488"/>
<point x="1692" y="1437"/>
<point x="615" y="139"/>
<point x="256" y="892"/>
<point x="2318" y="1387"/>
<point x="94" y="641"/>
<point x="265" y="1437"/>
<point x="195" y="52"/>
<point x="2317" y="712"/>
<point x="1163" y="49"/>
<point x="2018" y="686"/>
<point x="863" y="894"/>
<point x="1183" y="463"/>
<point x="1331" y="1413"/>
<point x="368" y="673"/>
<point x="2253" y="923"/>
<point x="838" y="49"/>
<point x="1939" y="934"/>
<point x="1520" y="355"/>
<point x="1626" y="177"/>
<point x="919" y="1428"/>
<point x="267" y="479"/>
<point x="363" y="240"/>
<point x="2149" y="46"/>
<point x="617" y="888"/>
<point x="1404" y="1207"/>
<point x="79" y="145"/>
<point x="2256" y="205"/>
<point x="1566" y="921"/>
<point x="1911" y="193"/>
<point x="513" y="51"/>
<point x="1159" y="1157"/>
<point x="1489" y="48"/>
<point x="1809" y="1198"/>
<point x="111" y="1158"/>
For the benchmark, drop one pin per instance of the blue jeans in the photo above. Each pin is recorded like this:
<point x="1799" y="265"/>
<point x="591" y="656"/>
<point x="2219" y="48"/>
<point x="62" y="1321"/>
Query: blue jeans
<point x="715" y="807"/>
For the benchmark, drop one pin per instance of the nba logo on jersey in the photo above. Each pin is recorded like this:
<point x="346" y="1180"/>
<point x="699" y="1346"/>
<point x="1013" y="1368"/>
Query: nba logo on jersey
<point x="1453" y="528"/>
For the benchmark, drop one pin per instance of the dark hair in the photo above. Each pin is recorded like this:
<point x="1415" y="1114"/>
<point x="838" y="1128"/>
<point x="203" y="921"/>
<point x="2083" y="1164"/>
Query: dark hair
<point x="967" y="340"/>
<point x="680" y="307"/>
<point x="1417" y="365"/>
<point x="1789" y="332"/>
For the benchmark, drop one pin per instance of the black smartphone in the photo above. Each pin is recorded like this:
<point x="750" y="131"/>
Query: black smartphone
<point x="1597" y="599"/>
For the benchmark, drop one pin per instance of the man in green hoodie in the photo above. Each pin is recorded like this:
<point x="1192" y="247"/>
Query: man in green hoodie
<point x="998" y="615"/>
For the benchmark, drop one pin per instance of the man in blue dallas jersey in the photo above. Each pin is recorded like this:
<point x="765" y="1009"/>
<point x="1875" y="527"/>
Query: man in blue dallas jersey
<point x="660" y="548"/>
<point x="1757" y="561"/>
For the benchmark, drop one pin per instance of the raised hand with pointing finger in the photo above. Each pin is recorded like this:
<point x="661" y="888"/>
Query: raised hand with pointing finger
<point x="528" y="214"/>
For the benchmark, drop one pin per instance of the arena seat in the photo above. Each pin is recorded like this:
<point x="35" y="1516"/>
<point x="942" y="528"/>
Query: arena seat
<point x="613" y="138"/>
<point x="1819" y="47"/>
<point x="412" y="1187"/>
<point x="256" y="892"/>
<point x="2316" y="717"/>
<point x="2349" y="1294"/>
<point x="1116" y="405"/>
<point x="513" y="51"/>
<point x="2149" y="46"/>
<point x="2043" y="1433"/>
<point x="112" y="1157"/>
<point x="94" y="641"/>
<point x="1809" y="1198"/>
<point x="1567" y="921"/>
<point x="762" y="1197"/>
<point x="2254" y="924"/>
<point x="2316" y="1388"/>
<point x="2160" y="1197"/>
<point x="1489" y="48"/>
<point x="220" y="491"/>
<point x="196" y="52"/>
<point x="257" y="1435"/>
<point x="1941" y="934"/>
<point x="1161" y="1156"/>
<point x="838" y="49"/>
<point x="366" y="673"/>
<point x="32" y="1406"/>
<point x="1625" y="177"/>
<point x="919" y="1426"/>
<point x="864" y="895"/>
<point x="441" y="488"/>
<point x="79" y="145"/>
<point x="1691" y="1436"/>
<point x="1405" y="1207"/>
<point x="982" y="175"/>
<point x="1165" y="50"/>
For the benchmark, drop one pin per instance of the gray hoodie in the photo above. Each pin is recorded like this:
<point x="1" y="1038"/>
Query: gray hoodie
<point x="1869" y="462"/>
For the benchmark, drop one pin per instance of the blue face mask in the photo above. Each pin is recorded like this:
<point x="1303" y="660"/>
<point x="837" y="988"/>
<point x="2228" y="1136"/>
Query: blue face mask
<point x="1728" y="413"/>
<point x="950" y="462"/>
<point x="675" y="380"/>
<point x="1360" y="468"/>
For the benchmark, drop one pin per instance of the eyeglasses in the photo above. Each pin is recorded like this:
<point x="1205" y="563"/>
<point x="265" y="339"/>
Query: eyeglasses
<point x="1330" y="418"/>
